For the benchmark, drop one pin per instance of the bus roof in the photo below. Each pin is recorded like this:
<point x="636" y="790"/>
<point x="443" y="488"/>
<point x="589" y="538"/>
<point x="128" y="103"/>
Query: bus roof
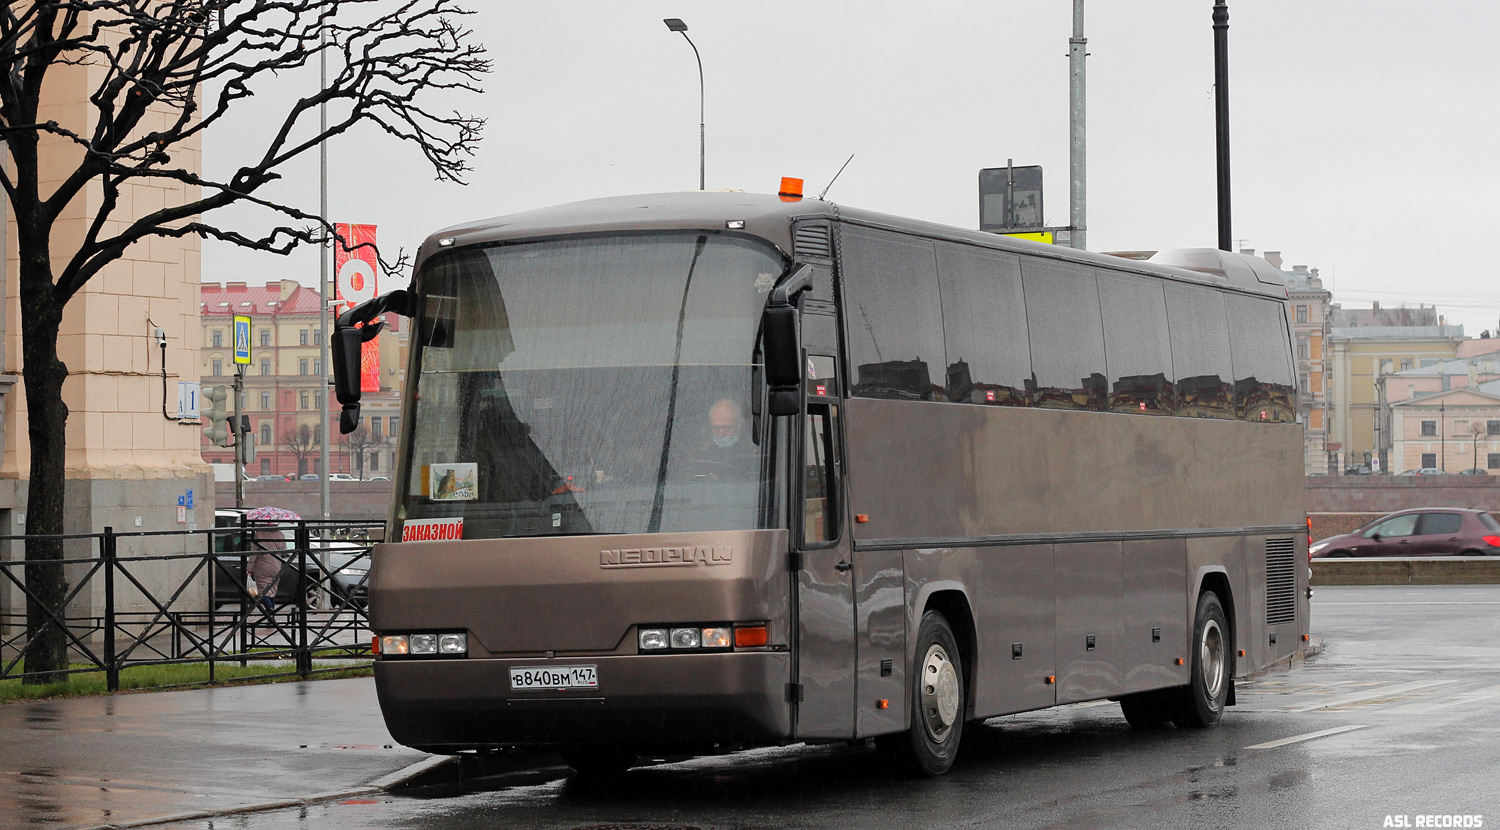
<point x="770" y="218"/>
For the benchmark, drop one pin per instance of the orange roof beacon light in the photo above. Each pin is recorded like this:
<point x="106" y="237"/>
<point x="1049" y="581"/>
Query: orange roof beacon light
<point x="791" y="189"/>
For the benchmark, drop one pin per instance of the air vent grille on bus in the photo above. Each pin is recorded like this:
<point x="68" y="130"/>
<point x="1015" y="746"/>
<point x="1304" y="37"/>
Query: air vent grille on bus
<point x="1281" y="581"/>
<point x="812" y="242"/>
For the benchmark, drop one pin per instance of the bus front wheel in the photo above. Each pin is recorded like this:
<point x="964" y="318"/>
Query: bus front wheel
<point x="1201" y="701"/>
<point x="930" y="744"/>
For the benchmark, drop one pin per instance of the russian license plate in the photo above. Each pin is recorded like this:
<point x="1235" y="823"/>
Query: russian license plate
<point x="554" y="677"/>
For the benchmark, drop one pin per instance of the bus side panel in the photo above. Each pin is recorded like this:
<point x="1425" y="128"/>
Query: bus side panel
<point x="1089" y="650"/>
<point x="1224" y="556"/>
<point x="1155" y="577"/>
<point x="880" y="629"/>
<point x="1012" y="592"/>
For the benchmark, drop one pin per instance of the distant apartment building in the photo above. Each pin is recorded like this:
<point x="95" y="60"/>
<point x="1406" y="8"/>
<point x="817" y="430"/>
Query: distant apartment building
<point x="286" y="380"/>
<point x="1366" y="344"/>
<point x="1453" y="430"/>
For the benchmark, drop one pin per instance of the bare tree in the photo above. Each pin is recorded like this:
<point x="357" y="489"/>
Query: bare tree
<point x="360" y="442"/>
<point x="190" y="61"/>
<point x="302" y="442"/>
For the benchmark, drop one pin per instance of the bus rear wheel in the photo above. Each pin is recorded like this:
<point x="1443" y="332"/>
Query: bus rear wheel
<point x="1201" y="702"/>
<point x="930" y="745"/>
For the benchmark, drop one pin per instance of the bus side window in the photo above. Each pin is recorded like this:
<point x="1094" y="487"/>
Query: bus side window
<point x="820" y="507"/>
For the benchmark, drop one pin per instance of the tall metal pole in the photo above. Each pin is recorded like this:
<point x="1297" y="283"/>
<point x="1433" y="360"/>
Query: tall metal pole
<point x="240" y="437"/>
<point x="1221" y="116"/>
<point x="1078" y="108"/>
<point x="323" y="254"/>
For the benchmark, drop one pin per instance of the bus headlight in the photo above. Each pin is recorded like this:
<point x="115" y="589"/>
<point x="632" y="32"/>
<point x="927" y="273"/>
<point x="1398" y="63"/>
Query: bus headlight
<point x="653" y="639"/>
<point x="423" y="643"/>
<point x="453" y="644"/>
<point x="394" y="644"/>
<point x="685" y="638"/>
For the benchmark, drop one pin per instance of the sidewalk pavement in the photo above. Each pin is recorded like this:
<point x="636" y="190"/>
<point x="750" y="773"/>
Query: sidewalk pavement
<point x="136" y="759"/>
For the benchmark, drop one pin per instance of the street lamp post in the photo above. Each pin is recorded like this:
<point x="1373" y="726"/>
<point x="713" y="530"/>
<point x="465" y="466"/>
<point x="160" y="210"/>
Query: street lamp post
<point x="676" y="25"/>
<point x="1221" y="115"/>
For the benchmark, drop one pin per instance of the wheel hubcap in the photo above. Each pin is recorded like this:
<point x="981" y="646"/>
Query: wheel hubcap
<point x="1211" y="659"/>
<point x="939" y="693"/>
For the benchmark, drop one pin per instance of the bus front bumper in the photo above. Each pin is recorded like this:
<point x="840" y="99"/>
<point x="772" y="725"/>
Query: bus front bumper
<point x="661" y="701"/>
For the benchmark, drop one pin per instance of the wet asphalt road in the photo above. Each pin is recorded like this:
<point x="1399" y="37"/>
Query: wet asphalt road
<point x="1411" y="675"/>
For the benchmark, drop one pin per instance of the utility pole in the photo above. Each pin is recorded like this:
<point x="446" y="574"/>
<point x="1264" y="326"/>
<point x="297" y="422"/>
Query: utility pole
<point x="1221" y="116"/>
<point x="239" y="438"/>
<point x="324" y="252"/>
<point x="1078" y="144"/>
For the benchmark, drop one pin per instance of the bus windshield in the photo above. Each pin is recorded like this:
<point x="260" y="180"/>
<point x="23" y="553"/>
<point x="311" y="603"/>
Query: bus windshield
<point x="590" y="385"/>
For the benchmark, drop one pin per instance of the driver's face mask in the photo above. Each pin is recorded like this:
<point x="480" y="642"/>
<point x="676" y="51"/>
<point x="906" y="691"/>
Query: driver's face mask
<point x="724" y="442"/>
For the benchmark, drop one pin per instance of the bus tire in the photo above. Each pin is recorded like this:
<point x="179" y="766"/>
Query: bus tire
<point x="1201" y="702"/>
<point x="597" y="763"/>
<point x="1146" y="710"/>
<point x="937" y="699"/>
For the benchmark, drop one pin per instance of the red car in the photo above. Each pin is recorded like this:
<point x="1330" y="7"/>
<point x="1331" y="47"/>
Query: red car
<point x="1428" y="531"/>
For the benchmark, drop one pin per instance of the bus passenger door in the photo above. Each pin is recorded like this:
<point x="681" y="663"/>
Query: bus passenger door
<point x="825" y="596"/>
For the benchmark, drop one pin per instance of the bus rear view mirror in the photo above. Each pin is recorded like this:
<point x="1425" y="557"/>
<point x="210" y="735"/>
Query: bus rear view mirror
<point x="783" y="352"/>
<point x="353" y="328"/>
<point x="783" y="360"/>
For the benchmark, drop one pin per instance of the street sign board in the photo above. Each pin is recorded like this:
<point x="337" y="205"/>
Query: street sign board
<point x="1010" y="199"/>
<point x="242" y="339"/>
<point x="187" y="399"/>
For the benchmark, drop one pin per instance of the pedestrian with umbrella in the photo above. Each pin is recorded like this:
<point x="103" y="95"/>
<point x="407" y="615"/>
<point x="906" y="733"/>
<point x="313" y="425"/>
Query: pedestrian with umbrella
<point x="265" y="565"/>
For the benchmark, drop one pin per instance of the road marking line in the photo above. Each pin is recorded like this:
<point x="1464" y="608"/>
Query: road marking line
<point x="1383" y="691"/>
<point x="1456" y="700"/>
<point x="1309" y="736"/>
<point x="1434" y="602"/>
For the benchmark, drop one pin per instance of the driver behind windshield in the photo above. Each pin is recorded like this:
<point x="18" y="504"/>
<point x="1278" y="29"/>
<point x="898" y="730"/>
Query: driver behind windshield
<point x="726" y="452"/>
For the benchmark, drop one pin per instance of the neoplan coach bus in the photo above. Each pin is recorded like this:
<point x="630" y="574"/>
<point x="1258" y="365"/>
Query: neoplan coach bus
<point x="708" y="470"/>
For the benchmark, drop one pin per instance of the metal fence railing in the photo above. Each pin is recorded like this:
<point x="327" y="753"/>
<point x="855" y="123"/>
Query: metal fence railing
<point x="162" y="598"/>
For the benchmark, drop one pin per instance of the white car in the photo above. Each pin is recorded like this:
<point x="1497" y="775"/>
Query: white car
<point x="341" y="477"/>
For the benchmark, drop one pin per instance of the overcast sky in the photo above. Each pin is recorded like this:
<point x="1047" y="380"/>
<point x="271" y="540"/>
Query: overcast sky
<point x="1363" y="133"/>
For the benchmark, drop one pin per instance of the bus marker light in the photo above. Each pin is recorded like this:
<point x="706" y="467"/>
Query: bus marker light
<point x="1242" y="652"/>
<point x="653" y="639"/>
<point x="791" y="189"/>
<point x="685" y="638"/>
<point x="375" y="645"/>
<point x="1051" y="679"/>
<point x="1179" y="661"/>
<point x="735" y="224"/>
<point x="749" y="636"/>
<point x="882" y="704"/>
<point x="716" y="638"/>
<point x="861" y="517"/>
<point x="1304" y="638"/>
<point x="445" y="242"/>
<point x="394" y="644"/>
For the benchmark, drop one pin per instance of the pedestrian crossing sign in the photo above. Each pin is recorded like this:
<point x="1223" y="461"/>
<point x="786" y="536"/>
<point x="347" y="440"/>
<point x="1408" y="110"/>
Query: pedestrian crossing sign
<point x="242" y="339"/>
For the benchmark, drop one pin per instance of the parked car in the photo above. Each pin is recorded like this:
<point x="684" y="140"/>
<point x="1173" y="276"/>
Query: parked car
<point x="341" y="477"/>
<point x="309" y="476"/>
<point x="348" y="561"/>
<point x="378" y="478"/>
<point x="270" y="478"/>
<point x="1361" y="470"/>
<point x="1424" y="471"/>
<point x="1474" y="471"/>
<point x="1428" y="531"/>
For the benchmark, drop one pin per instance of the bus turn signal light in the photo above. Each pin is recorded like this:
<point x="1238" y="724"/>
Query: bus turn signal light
<point x="861" y="518"/>
<point x="749" y="636"/>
